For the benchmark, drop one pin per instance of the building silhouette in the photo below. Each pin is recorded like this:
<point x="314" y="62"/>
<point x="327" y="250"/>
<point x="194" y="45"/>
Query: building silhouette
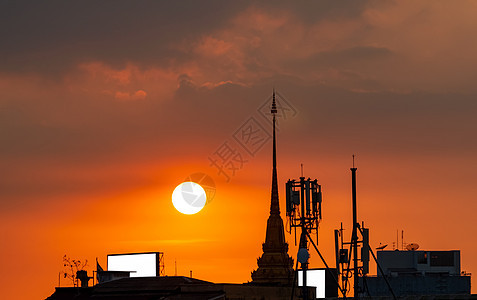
<point x="413" y="273"/>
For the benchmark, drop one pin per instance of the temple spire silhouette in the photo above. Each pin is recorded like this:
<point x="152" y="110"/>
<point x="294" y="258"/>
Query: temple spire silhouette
<point x="274" y="204"/>
<point x="275" y="266"/>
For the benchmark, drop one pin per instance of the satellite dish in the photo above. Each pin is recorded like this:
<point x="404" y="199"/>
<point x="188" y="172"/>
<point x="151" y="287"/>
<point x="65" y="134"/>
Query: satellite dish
<point x="303" y="255"/>
<point x="412" y="247"/>
<point x="381" y="247"/>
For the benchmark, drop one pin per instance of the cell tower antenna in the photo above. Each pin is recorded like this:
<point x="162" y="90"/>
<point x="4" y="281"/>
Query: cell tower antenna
<point x="353" y="160"/>
<point x="301" y="170"/>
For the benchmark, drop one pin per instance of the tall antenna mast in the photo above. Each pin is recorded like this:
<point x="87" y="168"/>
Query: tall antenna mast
<point x="354" y="237"/>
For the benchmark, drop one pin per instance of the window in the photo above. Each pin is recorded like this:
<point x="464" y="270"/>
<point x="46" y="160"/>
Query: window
<point x="422" y="258"/>
<point x="442" y="258"/>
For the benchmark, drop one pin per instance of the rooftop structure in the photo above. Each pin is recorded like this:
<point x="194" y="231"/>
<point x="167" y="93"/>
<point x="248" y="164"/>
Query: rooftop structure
<point x="175" y="287"/>
<point x="398" y="263"/>
<point x="412" y="273"/>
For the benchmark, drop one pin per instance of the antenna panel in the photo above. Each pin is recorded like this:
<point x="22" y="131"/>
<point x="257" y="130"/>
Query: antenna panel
<point x="296" y="197"/>
<point x="307" y="196"/>
<point x="289" y="191"/>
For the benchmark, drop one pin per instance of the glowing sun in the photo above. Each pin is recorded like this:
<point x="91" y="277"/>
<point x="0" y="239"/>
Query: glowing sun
<point x="189" y="198"/>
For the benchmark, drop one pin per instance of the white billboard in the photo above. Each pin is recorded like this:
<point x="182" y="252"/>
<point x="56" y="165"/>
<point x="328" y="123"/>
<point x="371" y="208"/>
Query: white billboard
<point x="314" y="278"/>
<point x="139" y="264"/>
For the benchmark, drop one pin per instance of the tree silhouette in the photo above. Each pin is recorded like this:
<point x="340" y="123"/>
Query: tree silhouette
<point x="72" y="267"/>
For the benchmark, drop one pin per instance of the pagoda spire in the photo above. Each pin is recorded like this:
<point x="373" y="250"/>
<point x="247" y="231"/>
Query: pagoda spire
<point x="275" y="266"/>
<point x="274" y="205"/>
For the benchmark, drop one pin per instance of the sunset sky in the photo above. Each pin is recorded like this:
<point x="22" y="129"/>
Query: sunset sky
<point x="106" y="106"/>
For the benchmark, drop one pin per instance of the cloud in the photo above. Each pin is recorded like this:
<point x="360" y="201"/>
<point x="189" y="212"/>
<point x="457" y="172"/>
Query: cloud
<point x="247" y="42"/>
<point x="342" y="70"/>
<point x="138" y="95"/>
<point x="52" y="37"/>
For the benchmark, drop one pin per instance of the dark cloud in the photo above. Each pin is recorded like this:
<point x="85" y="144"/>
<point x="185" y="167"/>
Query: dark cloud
<point x="51" y="35"/>
<point x="312" y="11"/>
<point x="358" y="53"/>
<point x="353" y="67"/>
<point x="385" y="123"/>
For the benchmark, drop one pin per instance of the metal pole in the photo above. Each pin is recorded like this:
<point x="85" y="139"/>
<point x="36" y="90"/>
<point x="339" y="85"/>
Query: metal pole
<point x="381" y="270"/>
<point x="337" y="251"/>
<point x="344" y="278"/>
<point x="326" y="265"/>
<point x="355" y="233"/>
<point x="303" y="244"/>
<point x="304" y="266"/>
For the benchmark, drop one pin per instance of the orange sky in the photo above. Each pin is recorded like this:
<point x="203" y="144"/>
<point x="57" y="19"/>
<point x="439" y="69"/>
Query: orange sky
<point x="105" y="108"/>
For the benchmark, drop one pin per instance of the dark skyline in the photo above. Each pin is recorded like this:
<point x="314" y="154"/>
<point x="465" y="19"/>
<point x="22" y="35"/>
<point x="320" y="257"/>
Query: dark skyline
<point x="106" y="106"/>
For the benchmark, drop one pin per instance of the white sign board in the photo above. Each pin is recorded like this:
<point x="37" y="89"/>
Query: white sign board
<point x="139" y="264"/>
<point x="314" y="278"/>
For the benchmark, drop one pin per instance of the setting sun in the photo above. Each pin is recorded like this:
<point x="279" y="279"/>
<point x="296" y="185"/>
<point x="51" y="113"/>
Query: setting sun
<point x="189" y="198"/>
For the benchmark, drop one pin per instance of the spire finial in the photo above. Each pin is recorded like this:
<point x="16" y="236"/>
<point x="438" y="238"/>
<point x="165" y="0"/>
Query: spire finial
<point x="274" y="103"/>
